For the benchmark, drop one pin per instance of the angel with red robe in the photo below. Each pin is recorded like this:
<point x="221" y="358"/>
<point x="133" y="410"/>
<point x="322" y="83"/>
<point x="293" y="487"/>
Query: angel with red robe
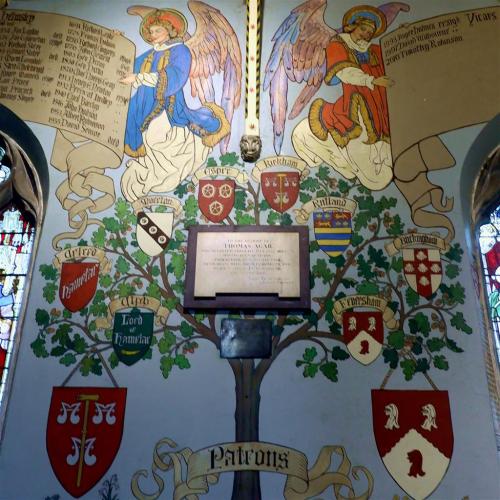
<point x="166" y="139"/>
<point x="351" y="133"/>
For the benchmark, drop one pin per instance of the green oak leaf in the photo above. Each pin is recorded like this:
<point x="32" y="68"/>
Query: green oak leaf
<point x="113" y="360"/>
<point x="323" y="173"/>
<point x="240" y="197"/>
<point x="211" y="162"/>
<point x="412" y="297"/>
<point x="420" y="323"/>
<point x="42" y="317"/>
<point x="321" y="270"/>
<point x="343" y="186"/>
<point x="356" y="239"/>
<point x="339" y="354"/>
<point x="182" y="189"/>
<point x="186" y="329"/>
<point x="122" y="209"/>
<point x="458" y="321"/>
<point x="435" y="344"/>
<point x="182" y="362"/>
<point x="422" y="365"/>
<point x="49" y="292"/>
<point x="141" y="258"/>
<point x="396" y="339"/>
<point x="304" y="197"/>
<point x="452" y="345"/>
<point x="228" y="159"/>
<point x="166" y="365"/>
<point x="38" y="347"/>
<point x="111" y="224"/>
<point x="440" y="362"/>
<point x="391" y="357"/>
<point x="121" y="265"/>
<point x="286" y="220"/>
<point x="455" y="253"/>
<point x="367" y="288"/>
<point x="68" y="359"/>
<point x="190" y="207"/>
<point x="396" y="227"/>
<point x="293" y="320"/>
<point x="177" y="265"/>
<point x="153" y="290"/>
<point x="48" y="272"/>
<point x="452" y="271"/>
<point x="309" y="354"/>
<point x="310" y="371"/>
<point x="329" y="370"/>
<point x="364" y="268"/>
<point x="243" y="219"/>
<point x="99" y="237"/>
<point x="124" y="290"/>
<point x="310" y="184"/>
<point x="273" y="218"/>
<point x="105" y="280"/>
<point x="78" y="344"/>
<point x="409" y="367"/>
<point x="377" y="257"/>
<point x="397" y="264"/>
<point x="338" y="261"/>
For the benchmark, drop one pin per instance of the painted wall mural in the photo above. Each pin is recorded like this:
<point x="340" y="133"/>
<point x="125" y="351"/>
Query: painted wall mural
<point x="141" y="113"/>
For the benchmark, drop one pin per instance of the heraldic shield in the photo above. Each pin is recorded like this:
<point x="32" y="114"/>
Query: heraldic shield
<point x="153" y="231"/>
<point x="414" y="437"/>
<point x="216" y="198"/>
<point x="84" y="432"/>
<point x="280" y="189"/>
<point x="78" y="284"/>
<point x="132" y="335"/>
<point x="363" y="334"/>
<point x="422" y="268"/>
<point x="333" y="231"/>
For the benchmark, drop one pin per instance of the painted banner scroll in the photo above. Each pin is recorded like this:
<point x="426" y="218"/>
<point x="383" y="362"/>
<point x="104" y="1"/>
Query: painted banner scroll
<point x="422" y="58"/>
<point x="70" y="68"/>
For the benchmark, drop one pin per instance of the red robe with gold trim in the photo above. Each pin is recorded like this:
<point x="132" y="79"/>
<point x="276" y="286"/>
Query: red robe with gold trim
<point x="342" y="118"/>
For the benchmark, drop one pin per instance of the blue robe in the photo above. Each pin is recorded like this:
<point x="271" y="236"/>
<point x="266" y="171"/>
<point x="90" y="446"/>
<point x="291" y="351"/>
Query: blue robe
<point x="172" y="66"/>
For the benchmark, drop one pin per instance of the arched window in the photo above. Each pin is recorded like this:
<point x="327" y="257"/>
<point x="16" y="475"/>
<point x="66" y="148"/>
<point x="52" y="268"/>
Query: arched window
<point x="489" y="242"/>
<point x="23" y="192"/>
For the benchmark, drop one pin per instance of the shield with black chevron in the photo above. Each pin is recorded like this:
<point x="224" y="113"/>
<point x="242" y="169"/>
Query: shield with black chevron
<point x="153" y="231"/>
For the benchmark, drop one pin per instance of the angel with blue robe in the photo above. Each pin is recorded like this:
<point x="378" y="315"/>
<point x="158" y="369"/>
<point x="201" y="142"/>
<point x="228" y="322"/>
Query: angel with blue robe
<point x="166" y="139"/>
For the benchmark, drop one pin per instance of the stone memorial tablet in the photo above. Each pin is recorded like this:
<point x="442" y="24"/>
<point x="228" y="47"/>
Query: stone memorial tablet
<point x="247" y="267"/>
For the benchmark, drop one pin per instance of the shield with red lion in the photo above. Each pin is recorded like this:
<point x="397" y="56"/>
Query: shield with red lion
<point x="363" y="334"/>
<point x="78" y="284"/>
<point x="422" y="269"/>
<point x="414" y="437"/>
<point x="216" y="198"/>
<point x="280" y="189"/>
<point x="84" y="432"/>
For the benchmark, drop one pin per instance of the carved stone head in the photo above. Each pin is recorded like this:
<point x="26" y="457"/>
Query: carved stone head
<point x="250" y="146"/>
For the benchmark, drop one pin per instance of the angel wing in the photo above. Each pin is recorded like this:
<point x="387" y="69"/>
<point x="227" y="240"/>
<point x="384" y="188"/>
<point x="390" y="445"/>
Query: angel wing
<point x="215" y="49"/>
<point x="298" y="55"/>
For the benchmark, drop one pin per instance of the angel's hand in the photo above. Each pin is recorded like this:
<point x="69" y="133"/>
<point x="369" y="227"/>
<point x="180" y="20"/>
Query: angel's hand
<point x="383" y="81"/>
<point x="129" y="79"/>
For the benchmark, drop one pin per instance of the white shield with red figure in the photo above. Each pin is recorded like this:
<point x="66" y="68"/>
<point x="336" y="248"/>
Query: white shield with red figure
<point x="363" y="334"/>
<point x="414" y="437"/>
<point x="84" y="432"/>
<point x="154" y="230"/>
<point x="216" y="198"/>
<point x="422" y="269"/>
<point x="78" y="284"/>
<point x="280" y="189"/>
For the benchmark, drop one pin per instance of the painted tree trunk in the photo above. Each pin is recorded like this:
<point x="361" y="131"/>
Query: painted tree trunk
<point x="246" y="485"/>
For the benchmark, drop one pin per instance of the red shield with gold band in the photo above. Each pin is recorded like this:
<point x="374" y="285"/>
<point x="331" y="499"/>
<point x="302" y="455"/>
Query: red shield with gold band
<point x="422" y="269"/>
<point x="84" y="432"/>
<point x="78" y="284"/>
<point x="414" y="437"/>
<point x="216" y="198"/>
<point x="280" y="189"/>
<point x="363" y="334"/>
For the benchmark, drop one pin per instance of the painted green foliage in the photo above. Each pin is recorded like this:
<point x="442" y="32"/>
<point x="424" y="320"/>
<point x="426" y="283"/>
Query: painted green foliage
<point x="429" y="329"/>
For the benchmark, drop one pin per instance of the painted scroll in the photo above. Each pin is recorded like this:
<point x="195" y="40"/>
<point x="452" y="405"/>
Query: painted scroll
<point x="424" y="57"/>
<point x="70" y="69"/>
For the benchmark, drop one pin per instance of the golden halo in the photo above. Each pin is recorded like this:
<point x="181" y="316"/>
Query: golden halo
<point x="366" y="12"/>
<point x="161" y="16"/>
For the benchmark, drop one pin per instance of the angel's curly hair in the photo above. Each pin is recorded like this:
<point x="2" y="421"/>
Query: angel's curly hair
<point x="349" y="28"/>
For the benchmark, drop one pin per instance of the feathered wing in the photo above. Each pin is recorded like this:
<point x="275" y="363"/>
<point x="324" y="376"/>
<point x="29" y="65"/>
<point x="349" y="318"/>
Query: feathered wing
<point x="392" y="9"/>
<point x="298" y="54"/>
<point x="215" y="49"/>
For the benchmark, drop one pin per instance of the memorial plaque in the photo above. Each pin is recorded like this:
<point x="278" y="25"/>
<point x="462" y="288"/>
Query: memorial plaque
<point x="246" y="338"/>
<point x="247" y="267"/>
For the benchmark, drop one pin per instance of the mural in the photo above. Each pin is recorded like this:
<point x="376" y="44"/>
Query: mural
<point x="388" y="296"/>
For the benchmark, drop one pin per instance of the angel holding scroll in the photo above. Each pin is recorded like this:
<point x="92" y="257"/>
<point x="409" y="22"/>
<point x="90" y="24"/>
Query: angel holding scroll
<point x="350" y="134"/>
<point x="166" y="139"/>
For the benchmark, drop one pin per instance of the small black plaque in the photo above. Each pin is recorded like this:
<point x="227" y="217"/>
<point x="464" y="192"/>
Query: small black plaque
<point x="245" y="338"/>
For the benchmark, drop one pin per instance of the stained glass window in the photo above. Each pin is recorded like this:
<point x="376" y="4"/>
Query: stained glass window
<point x="17" y="235"/>
<point x="489" y="242"/>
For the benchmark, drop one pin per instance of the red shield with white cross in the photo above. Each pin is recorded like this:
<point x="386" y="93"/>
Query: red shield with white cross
<point x="84" y="432"/>
<point x="216" y="198"/>
<point x="78" y="284"/>
<point x="280" y="189"/>
<point x="422" y="269"/>
<point x="414" y="437"/>
<point x="363" y="334"/>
